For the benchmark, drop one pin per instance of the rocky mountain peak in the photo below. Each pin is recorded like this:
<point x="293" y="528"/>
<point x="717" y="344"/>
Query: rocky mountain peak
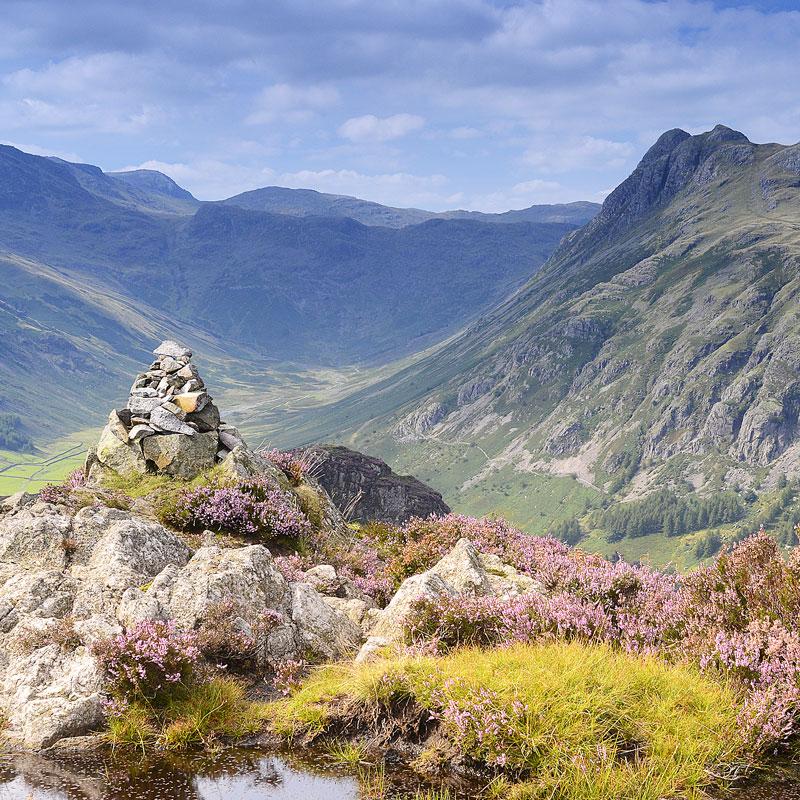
<point x="665" y="170"/>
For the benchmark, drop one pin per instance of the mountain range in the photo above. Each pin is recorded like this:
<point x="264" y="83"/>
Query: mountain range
<point x="657" y="349"/>
<point x="95" y="265"/>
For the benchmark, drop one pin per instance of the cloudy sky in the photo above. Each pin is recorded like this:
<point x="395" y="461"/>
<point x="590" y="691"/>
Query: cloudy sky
<point x="478" y="104"/>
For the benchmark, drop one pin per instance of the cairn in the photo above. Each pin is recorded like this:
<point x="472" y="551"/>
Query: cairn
<point x="170" y="424"/>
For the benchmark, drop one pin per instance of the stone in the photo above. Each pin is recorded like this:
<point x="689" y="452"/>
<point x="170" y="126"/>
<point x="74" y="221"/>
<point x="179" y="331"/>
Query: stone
<point x="189" y="372"/>
<point x="207" y="419"/>
<point x="119" y="456"/>
<point x="49" y="695"/>
<point x="17" y="500"/>
<point x="138" y="432"/>
<point x="191" y="401"/>
<point x="143" y="405"/>
<point x="231" y="438"/>
<point x="164" y="420"/>
<point x="244" y="463"/>
<point x="174" y="409"/>
<point x="171" y="348"/>
<point x="170" y="364"/>
<point x="144" y="392"/>
<point x="192" y="385"/>
<point x="463" y="571"/>
<point x="117" y="426"/>
<point x="214" y="574"/>
<point x="182" y="456"/>
<point x="352" y="607"/>
<point x="324" y="579"/>
<point x="323" y="631"/>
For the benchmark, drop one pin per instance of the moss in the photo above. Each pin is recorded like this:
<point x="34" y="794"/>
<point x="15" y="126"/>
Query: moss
<point x="597" y="723"/>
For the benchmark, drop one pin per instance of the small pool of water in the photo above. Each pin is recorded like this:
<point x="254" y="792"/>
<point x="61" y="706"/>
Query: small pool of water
<point x="232" y="775"/>
<point x="235" y="774"/>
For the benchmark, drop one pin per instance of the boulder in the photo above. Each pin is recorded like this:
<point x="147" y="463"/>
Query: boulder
<point x="122" y="457"/>
<point x="246" y="574"/>
<point x="172" y="349"/>
<point x="244" y="463"/>
<point x="182" y="456"/>
<point x="462" y="571"/>
<point x="207" y="419"/>
<point x="117" y="426"/>
<point x="50" y="694"/>
<point x="323" y="631"/>
<point x="370" y="490"/>
<point x="230" y="437"/>
<point x="15" y="501"/>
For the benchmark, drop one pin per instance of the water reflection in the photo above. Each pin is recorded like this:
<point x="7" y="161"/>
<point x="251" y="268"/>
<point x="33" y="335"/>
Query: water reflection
<point x="232" y="775"/>
<point x="238" y="775"/>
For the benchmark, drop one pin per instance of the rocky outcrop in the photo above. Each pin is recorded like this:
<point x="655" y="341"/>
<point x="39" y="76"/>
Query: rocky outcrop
<point x="463" y="571"/>
<point x="69" y="578"/>
<point x="369" y="490"/>
<point x="170" y="424"/>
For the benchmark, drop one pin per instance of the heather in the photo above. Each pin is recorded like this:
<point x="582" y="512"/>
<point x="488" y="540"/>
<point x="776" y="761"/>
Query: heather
<point x="163" y="694"/>
<point x="252" y="507"/>
<point x="566" y="720"/>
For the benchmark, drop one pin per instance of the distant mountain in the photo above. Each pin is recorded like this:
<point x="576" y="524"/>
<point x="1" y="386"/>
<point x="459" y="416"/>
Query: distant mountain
<point x="308" y="203"/>
<point x="93" y="266"/>
<point x="659" y="347"/>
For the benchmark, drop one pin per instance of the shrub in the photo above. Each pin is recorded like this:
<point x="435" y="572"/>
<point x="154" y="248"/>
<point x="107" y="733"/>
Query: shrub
<point x="61" y="493"/>
<point x="252" y="507"/>
<point x="289" y="463"/>
<point x="148" y="661"/>
<point x="230" y="633"/>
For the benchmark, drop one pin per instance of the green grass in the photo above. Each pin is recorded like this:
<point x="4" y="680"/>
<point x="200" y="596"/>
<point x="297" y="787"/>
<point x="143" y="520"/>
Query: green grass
<point x="196" y="716"/>
<point x="598" y="724"/>
<point x="51" y="463"/>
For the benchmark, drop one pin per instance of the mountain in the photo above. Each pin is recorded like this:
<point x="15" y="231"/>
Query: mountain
<point x="658" y="348"/>
<point x="307" y="203"/>
<point x="94" y="266"/>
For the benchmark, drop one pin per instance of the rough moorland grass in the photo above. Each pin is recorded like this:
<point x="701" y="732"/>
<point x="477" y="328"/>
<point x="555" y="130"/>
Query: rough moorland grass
<point x="575" y="722"/>
<point x="194" y="716"/>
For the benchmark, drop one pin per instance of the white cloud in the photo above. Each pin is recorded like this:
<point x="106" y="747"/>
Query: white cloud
<point x="283" y="102"/>
<point x="585" y="152"/>
<point x="370" y="128"/>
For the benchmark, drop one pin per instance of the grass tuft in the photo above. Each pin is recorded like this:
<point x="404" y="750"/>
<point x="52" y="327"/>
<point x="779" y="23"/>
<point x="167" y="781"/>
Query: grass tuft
<point x="576" y="721"/>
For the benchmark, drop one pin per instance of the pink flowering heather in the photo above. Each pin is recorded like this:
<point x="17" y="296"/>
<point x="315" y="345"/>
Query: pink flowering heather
<point x="149" y="660"/>
<point x="289" y="676"/>
<point x="59" y="493"/>
<point x="293" y="467"/>
<point x="253" y="507"/>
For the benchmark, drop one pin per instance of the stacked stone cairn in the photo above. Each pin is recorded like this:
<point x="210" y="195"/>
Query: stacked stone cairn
<point x="170" y="424"/>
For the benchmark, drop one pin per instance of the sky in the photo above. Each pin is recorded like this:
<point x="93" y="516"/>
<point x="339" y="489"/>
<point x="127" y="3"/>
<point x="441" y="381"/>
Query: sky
<point x="438" y="104"/>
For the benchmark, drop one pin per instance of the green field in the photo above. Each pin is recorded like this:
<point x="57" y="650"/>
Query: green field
<point x="49" y="464"/>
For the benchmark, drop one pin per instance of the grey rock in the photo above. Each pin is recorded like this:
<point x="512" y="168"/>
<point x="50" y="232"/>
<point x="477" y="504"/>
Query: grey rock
<point x="170" y="364"/>
<point x="144" y="392"/>
<point x="17" y="500"/>
<point x="164" y="420"/>
<point x="172" y="348"/>
<point x="119" y="456"/>
<point x="231" y="438"/>
<point x="379" y="493"/>
<point x="174" y="409"/>
<point x="138" y="432"/>
<point x="323" y="631"/>
<point x="182" y="456"/>
<point x="142" y="406"/>
<point x="207" y="419"/>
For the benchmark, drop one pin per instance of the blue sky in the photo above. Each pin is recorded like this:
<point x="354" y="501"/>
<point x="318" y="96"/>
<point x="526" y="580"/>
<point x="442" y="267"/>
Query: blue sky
<point x="476" y="104"/>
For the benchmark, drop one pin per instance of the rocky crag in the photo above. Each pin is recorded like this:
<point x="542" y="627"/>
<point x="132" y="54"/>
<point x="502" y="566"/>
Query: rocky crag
<point x="170" y="424"/>
<point x="366" y="488"/>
